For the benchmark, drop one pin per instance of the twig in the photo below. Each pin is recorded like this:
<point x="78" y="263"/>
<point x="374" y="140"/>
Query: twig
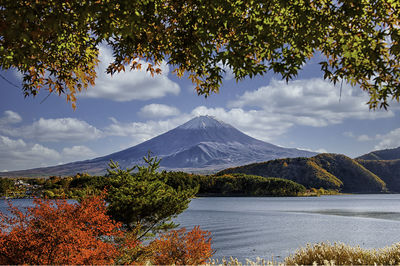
<point x="45" y="98"/>
<point x="9" y="82"/>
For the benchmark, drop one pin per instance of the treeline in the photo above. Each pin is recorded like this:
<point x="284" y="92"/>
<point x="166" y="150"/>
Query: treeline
<point x="206" y="185"/>
<point x="235" y="185"/>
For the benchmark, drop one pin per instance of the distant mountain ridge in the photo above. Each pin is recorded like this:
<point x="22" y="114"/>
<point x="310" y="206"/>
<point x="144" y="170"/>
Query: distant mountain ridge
<point x="329" y="171"/>
<point x="387" y="154"/>
<point x="201" y="143"/>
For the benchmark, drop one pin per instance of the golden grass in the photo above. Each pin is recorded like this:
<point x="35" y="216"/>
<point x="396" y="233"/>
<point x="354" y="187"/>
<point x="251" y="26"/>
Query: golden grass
<point x="328" y="254"/>
<point x="342" y="254"/>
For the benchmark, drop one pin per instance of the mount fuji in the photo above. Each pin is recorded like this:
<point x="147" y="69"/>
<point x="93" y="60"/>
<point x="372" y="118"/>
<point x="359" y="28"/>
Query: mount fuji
<point x="201" y="144"/>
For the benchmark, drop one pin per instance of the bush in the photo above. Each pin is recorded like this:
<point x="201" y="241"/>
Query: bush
<point x="57" y="232"/>
<point x="182" y="248"/>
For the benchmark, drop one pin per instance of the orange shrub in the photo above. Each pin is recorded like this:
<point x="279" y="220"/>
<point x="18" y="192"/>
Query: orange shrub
<point x="182" y="248"/>
<point x="57" y="232"/>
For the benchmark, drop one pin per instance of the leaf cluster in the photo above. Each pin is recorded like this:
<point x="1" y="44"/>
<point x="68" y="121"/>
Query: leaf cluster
<point x="182" y="247"/>
<point x="55" y="43"/>
<point x="61" y="232"/>
<point x="58" y="232"/>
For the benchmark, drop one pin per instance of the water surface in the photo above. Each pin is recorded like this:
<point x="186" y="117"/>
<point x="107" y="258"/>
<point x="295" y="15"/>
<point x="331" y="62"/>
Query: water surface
<point x="276" y="227"/>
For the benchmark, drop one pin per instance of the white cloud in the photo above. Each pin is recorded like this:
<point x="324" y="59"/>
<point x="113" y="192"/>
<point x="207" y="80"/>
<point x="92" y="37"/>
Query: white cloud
<point x="158" y="111"/>
<point x="130" y="85"/>
<point x="45" y="152"/>
<point x="10" y="117"/>
<point x="142" y="131"/>
<point x="312" y="102"/>
<point x="321" y="150"/>
<point x="16" y="154"/>
<point x="385" y="141"/>
<point x="360" y="138"/>
<point x="253" y="122"/>
<point x="348" y="134"/>
<point x="7" y="143"/>
<point x="364" y="137"/>
<point x="77" y="153"/>
<point x="389" y="140"/>
<point x="53" y="130"/>
<point x="228" y="71"/>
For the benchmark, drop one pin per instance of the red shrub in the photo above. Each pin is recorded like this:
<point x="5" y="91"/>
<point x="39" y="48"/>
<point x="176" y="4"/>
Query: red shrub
<point x="182" y="248"/>
<point x="57" y="232"/>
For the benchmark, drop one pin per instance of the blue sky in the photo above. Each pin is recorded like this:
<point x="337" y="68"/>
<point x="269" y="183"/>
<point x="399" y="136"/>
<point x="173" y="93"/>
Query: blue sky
<point x="131" y="107"/>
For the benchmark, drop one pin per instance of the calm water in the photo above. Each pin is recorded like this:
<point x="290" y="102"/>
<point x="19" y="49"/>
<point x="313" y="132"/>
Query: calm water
<point x="266" y="227"/>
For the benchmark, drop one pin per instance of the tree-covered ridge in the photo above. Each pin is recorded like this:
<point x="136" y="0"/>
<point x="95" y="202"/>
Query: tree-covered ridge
<point x="387" y="170"/>
<point x="354" y="176"/>
<point x="329" y="171"/>
<point x="387" y="154"/>
<point x="55" y="43"/>
<point x="236" y="185"/>
<point x="281" y="177"/>
<point x="179" y="185"/>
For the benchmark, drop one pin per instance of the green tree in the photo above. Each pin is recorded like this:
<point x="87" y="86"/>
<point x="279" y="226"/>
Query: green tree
<point x="55" y="43"/>
<point x="143" y="199"/>
<point x="6" y="185"/>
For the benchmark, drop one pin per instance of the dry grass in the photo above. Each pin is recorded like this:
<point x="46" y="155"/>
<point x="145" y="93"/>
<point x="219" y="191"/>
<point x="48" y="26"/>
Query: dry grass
<point x="325" y="254"/>
<point x="328" y="254"/>
<point x="342" y="254"/>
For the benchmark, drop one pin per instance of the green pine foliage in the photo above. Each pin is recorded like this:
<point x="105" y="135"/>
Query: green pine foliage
<point x="143" y="199"/>
<point x="6" y="184"/>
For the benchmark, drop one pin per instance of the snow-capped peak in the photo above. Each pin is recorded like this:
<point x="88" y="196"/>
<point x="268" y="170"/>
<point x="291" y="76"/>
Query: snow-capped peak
<point x="202" y="122"/>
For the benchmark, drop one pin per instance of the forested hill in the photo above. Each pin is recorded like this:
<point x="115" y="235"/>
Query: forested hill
<point x="329" y="171"/>
<point x="385" y="164"/>
<point x="388" y="154"/>
<point x="387" y="170"/>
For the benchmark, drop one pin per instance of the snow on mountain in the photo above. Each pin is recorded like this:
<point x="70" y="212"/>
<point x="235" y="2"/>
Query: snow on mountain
<point x="203" y="143"/>
<point x="203" y="122"/>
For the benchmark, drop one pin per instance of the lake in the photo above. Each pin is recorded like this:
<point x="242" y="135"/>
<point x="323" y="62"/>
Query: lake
<point x="250" y="227"/>
<point x="276" y="227"/>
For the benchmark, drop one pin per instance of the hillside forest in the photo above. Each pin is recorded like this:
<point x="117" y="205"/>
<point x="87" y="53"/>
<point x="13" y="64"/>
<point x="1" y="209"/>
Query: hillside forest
<point x="321" y="174"/>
